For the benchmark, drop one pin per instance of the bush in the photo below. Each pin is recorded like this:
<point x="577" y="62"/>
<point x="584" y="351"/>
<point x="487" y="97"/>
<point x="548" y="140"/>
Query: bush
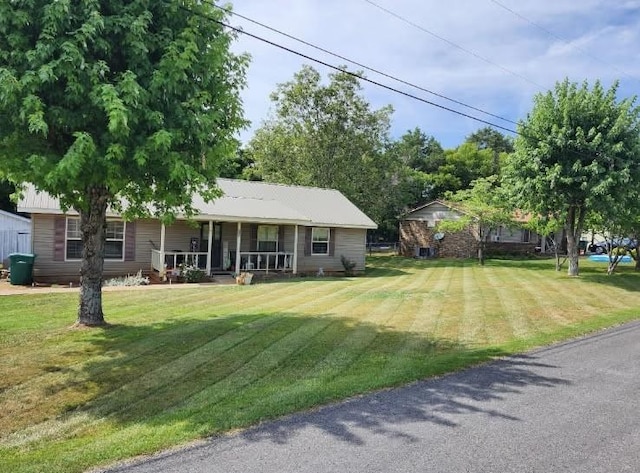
<point x="192" y="273"/>
<point x="619" y="251"/>
<point x="348" y="265"/>
<point x="129" y="280"/>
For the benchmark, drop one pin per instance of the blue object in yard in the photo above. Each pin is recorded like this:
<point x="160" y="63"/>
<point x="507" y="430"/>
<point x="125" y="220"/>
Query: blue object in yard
<point x="605" y="258"/>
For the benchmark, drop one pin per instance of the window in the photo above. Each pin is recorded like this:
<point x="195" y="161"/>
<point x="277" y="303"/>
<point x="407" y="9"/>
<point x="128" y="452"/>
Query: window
<point x="74" y="239"/>
<point x="267" y="238"/>
<point x="526" y="235"/>
<point x="320" y="241"/>
<point x="113" y="245"/>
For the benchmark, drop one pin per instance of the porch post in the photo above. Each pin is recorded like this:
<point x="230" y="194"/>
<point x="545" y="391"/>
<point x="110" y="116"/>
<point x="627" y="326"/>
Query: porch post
<point x="209" y="246"/>
<point x="295" y="250"/>
<point x="238" y="242"/>
<point x="162" y="234"/>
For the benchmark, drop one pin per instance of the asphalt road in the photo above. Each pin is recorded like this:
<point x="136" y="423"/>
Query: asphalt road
<point x="572" y="407"/>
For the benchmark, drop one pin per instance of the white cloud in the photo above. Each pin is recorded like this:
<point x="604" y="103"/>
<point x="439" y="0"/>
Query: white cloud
<point x="355" y="29"/>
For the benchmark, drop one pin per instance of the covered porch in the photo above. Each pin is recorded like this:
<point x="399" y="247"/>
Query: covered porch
<point x="233" y="247"/>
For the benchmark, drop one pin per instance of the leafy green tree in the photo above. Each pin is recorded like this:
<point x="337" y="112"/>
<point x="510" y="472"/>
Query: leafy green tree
<point x="240" y="165"/>
<point x="550" y="229"/>
<point x="412" y="155"/>
<point x="418" y="151"/>
<point x="489" y="138"/>
<point x="107" y="101"/>
<point x="461" y="166"/>
<point x="6" y="189"/>
<point x="576" y="154"/>
<point x="483" y="209"/>
<point x="326" y="135"/>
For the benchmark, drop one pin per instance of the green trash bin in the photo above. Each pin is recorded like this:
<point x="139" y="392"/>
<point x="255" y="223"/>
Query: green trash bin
<point x="21" y="268"/>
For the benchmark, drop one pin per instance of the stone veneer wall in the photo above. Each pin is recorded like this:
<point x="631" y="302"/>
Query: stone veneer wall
<point x="413" y="233"/>
<point x="461" y="244"/>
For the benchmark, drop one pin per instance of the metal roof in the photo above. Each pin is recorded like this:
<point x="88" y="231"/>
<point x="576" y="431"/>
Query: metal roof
<point x="250" y="201"/>
<point x="10" y="216"/>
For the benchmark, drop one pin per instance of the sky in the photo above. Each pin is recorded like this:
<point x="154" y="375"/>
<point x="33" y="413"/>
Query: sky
<point x="489" y="54"/>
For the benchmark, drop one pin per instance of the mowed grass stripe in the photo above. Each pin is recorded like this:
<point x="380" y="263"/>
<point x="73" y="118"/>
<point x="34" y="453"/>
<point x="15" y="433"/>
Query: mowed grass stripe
<point x="448" y="325"/>
<point x="151" y="384"/>
<point x="227" y="357"/>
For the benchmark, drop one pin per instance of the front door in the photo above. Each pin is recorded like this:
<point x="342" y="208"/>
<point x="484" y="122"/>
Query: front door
<point x="216" y="247"/>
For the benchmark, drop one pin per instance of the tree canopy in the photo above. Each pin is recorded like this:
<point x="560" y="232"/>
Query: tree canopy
<point x="105" y="101"/>
<point x="483" y="208"/>
<point x="327" y="135"/>
<point x="576" y="154"/>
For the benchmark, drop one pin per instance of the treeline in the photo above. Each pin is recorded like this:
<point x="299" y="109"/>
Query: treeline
<point x="328" y="135"/>
<point x="574" y="165"/>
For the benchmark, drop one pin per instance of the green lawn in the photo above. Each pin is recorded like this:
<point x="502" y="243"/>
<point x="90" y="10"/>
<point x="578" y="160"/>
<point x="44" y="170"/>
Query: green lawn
<point x="183" y="363"/>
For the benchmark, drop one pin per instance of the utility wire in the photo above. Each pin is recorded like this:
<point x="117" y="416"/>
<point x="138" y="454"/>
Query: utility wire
<point x="452" y="44"/>
<point x="342" y="69"/>
<point x="560" y="38"/>
<point x="371" y="69"/>
<point x="359" y="77"/>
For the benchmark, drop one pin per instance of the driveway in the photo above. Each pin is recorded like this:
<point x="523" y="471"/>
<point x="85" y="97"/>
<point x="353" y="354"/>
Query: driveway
<point x="572" y="407"/>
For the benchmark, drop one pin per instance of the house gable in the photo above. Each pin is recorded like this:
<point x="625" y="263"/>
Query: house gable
<point x="432" y="213"/>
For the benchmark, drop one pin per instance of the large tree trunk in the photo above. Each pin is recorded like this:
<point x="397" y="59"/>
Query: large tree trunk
<point x="93" y="222"/>
<point x="481" y="244"/>
<point x="573" y="227"/>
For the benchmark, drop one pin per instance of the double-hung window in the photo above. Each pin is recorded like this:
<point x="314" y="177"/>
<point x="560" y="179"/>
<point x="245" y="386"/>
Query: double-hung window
<point x="114" y="240"/>
<point x="320" y="241"/>
<point x="267" y="238"/>
<point x="113" y="245"/>
<point x="74" y="239"/>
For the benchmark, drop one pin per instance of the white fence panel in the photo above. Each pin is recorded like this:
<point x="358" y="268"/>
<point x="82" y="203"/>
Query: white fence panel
<point x="14" y="241"/>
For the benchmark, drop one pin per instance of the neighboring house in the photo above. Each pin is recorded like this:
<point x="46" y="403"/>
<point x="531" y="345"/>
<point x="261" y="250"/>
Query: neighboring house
<point x="254" y="226"/>
<point x="15" y="235"/>
<point x="419" y="235"/>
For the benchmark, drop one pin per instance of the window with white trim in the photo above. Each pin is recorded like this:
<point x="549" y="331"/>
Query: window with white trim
<point x="113" y="245"/>
<point x="319" y="241"/>
<point x="268" y="238"/>
<point x="73" y="239"/>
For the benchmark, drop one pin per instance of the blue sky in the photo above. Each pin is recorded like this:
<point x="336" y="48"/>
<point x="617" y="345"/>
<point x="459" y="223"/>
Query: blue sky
<point x="507" y="60"/>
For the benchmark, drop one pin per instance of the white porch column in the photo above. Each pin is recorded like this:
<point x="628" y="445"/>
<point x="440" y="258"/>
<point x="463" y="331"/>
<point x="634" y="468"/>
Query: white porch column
<point x="238" y="242"/>
<point x="295" y="250"/>
<point x="162" y="235"/>
<point x="209" y="246"/>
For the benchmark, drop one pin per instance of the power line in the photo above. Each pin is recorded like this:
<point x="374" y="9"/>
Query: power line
<point x="341" y="69"/>
<point x="452" y="44"/>
<point x="358" y="64"/>
<point x="359" y="77"/>
<point x="560" y="38"/>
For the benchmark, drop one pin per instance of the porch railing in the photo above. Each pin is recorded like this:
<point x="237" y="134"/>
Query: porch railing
<point x="265" y="261"/>
<point x="173" y="259"/>
<point x="249" y="260"/>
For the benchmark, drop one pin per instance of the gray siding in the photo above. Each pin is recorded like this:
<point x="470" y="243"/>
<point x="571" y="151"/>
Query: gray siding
<point x="350" y="242"/>
<point x="46" y="269"/>
<point x="177" y="236"/>
<point x="433" y="213"/>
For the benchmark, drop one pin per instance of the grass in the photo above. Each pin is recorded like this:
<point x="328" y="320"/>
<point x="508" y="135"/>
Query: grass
<point x="182" y="364"/>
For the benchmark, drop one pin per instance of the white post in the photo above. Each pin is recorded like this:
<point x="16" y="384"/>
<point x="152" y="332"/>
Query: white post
<point x="238" y="242"/>
<point x="209" y="246"/>
<point x="295" y="250"/>
<point x="162" y="235"/>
